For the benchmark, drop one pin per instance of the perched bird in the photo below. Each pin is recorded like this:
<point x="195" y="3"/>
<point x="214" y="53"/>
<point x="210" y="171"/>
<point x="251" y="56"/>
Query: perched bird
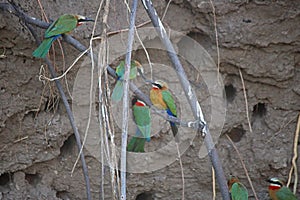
<point x="141" y="116"/>
<point x="135" y="66"/>
<point x="278" y="191"/>
<point x="162" y="98"/>
<point x="237" y="190"/>
<point x="64" y="24"/>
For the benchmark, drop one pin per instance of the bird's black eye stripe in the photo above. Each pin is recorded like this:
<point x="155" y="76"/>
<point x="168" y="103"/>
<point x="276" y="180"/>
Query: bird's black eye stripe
<point x="275" y="182"/>
<point x="85" y="20"/>
<point x="157" y="85"/>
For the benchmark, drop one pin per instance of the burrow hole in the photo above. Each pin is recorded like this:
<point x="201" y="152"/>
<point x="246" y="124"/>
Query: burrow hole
<point x="230" y="92"/>
<point x="236" y="133"/>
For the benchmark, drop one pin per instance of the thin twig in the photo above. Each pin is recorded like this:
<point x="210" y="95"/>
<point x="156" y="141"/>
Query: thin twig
<point x="246" y="101"/>
<point x="216" y="36"/>
<point x="99" y="37"/>
<point x="190" y="95"/>
<point x="213" y="177"/>
<point x="166" y="10"/>
<point x="294" y="160"/>
<point x="126" y="99"/>
<point x="21" y="139"/>
<point x="67" y="71"/>
<point x="244" y="166"/>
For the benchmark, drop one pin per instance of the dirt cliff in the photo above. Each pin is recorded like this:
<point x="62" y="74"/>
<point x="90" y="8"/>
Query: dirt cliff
<point x="258" y="39"/>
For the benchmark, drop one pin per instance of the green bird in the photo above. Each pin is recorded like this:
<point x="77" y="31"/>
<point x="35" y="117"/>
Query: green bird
<point x="141" y="116"/>
<point x="135" y="66"/>
<point x="237" y="190"/>
<point x="162" y="98"/>
<point x="278" y="191"/>
<point x="64" y="24"/>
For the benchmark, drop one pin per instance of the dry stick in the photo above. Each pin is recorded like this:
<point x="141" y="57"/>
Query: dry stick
<point x="99" y="37"/>
<point x="213" y="182"/>
<point x="190" y="94"/>
<point x="218" y="66"/>
<point x="216" y="36"/>
<point x="126" y="99"/>
<point x="15" y="10"/>
<point x="244" y="166"/>
<point x="104" y="120"/>
<point x="294" y="160"/>
<point x="246" y="101"/>
<point x="166" y="10"/>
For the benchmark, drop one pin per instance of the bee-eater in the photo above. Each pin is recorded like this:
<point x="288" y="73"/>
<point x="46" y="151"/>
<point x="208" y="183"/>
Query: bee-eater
<point x="64" y="24"/>
<point x="135" y="66"/>
<point x="278" y="191"/>
<point x="162" y="98"/>
<point x="237" y="190"/>
<point x="141" y="116"/>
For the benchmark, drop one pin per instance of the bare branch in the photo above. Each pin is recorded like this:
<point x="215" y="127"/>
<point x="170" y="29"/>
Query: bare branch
<point x="126" y="99"/>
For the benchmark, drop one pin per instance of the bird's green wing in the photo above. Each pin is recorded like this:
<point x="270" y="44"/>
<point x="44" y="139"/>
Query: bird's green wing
<point x="137" y="143"/>
<point x="43" y="49"/>
<point x="286" y="194"/>
<point x="133" y="70"/>
<point x="239" y="192"/>
<point x="143" y="120"/>
<point x="63" y="24"/>
<point x="168" y="99"/>
<point x="120" y="70"/>
<point x="117" y="93"/>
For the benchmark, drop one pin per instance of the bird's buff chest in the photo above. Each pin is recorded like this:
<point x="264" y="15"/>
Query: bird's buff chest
<point x="157" y="99"/>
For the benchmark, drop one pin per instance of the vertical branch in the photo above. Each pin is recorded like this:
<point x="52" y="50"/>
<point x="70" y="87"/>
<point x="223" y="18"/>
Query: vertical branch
<point x="126" y="99"/>
<point x="101" y="62"/>
<point x="191" y="96"/>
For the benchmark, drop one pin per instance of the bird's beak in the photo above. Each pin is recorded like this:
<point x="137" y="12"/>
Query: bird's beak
<point x="86" y="19"/>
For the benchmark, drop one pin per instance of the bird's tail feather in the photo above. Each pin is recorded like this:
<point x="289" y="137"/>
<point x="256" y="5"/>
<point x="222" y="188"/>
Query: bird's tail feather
<point x="137" y="143"/>
<point x="44" y="47"/>
<point x="174" y="128"/>
<point x="117" y="93"/>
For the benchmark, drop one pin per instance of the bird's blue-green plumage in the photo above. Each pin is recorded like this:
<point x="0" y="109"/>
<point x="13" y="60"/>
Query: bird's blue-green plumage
<point x="171" y="109"/>
<point x="239" y="191"/>
<point x="168" y="99"/>
<point x="44" y="47"/>
<point x="142" y="118"/>
<point x="63" y="24"/>
<point x="137" y="143"/>
<point x="117" y="93"/>
<point x="285" y="193"/>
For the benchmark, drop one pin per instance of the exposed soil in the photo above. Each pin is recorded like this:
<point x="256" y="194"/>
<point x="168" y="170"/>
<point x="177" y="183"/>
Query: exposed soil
<point x="258" y="39"/>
